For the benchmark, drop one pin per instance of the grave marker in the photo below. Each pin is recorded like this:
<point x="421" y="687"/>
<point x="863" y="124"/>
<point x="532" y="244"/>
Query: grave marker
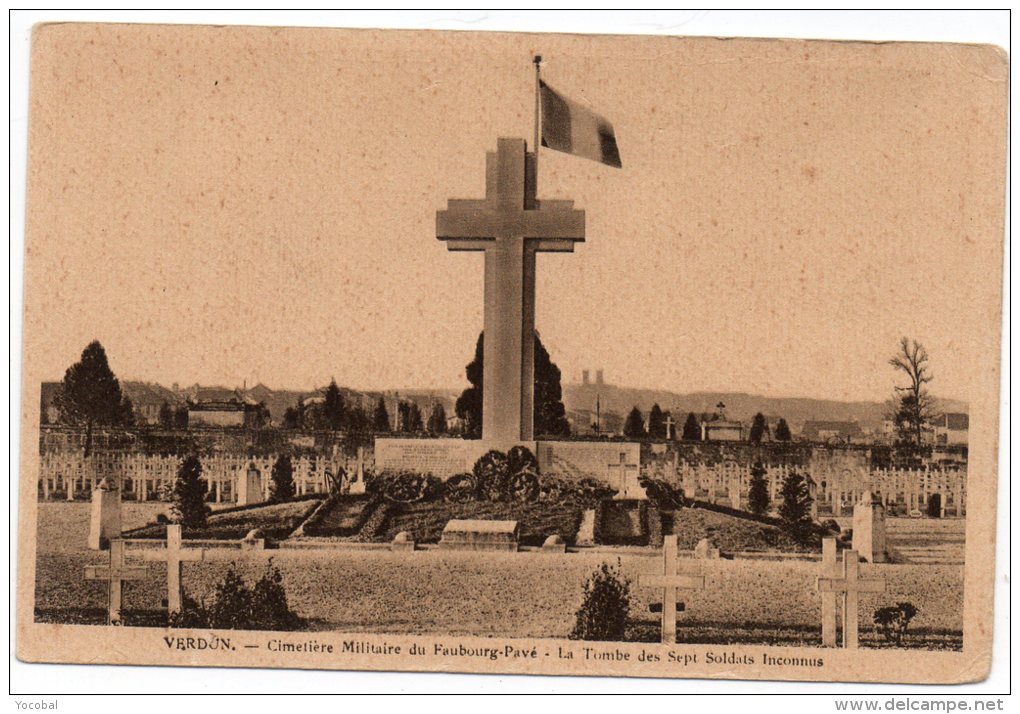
<point x="830" y="569"/>
<point x="850" y="586"/>
<point x="115" y="574"/>
<point x="175" y="556"/>
<point x="670" y="581"/>
<point x="105" y="522"/>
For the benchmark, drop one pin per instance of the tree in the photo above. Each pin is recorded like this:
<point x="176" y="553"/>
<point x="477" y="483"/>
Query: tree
<point x="189" y="506"/>
<point x="282" y="476"/>
<point x="758" y="491"/>
<point x="437" y="419"/>
<point x="90" y="394"/>
<point x="414" y="423"/>
<point x="333" y="407"/>
<point x="795" y="510"/>
<point x="692" y="429"/>
<point x="166" y="415"/>
<point x="759" y="428"/>
<point x="605" y="606"/>
<point x="634" y="426"/>
<point x="914" y="406"/>
<point x="292" y="417"/>
<point x="656" y="423"/>
<point x="783" y="431"/>
<point x="127" y="412"/>
<point x="550" y="414"/>
<point x="381" y="417"/>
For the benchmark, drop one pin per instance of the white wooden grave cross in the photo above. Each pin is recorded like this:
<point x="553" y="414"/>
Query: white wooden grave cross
<point x="628" y="477"/>
<point x="175" y="556"/>
<point x="116" y="573"/>
<point x="669" y="426"/>
<point x="830" y="569"/>
<point x="849" y="587"/>
<point x="670" y="581"/>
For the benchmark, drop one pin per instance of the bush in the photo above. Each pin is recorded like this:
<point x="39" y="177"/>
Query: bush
<point x="833" y="526"/>
<point x="892" y="622"/>
<point x="605" y="607"/>
<point x="758" y="491"/>
<point x="189" y="494"/>
<point x="282" y="480"/>
<point x="235" y="606"/>
<point x="795" y="511"/>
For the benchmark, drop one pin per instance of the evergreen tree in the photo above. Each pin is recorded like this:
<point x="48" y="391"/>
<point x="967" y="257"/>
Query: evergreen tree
<point x="181" y="417"/>
<point x="796" y="507"/>
<point x="333" y="407"/>
<point x="414" y="423"/>
<point x="90" y="394"/>
<point x="634" y="427"/>
<point x="758" y="491"/>
<point x="692" y="429"/>
<point x="189" y="506"/>
<point x="381" y="417"/>
<point x="656" y="423"/>
<point x="166" y="416"/>
<point x="758" y="428"/>
<point x="282" y="486"/>
<point x="550" y="414"/>
<point x="127" y="412"/>
<point x="783" y="431"/>
<point x="437" y="419"/>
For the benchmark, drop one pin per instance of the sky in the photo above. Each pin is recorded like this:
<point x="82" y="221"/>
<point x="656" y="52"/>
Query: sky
<point x="228" y="205"/>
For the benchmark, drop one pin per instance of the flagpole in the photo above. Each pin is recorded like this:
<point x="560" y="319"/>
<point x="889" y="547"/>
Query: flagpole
<point x="538" y="109"/>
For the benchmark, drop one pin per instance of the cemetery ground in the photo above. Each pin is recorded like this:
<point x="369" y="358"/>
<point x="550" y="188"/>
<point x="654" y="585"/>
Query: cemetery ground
<point x="525" y="594"/>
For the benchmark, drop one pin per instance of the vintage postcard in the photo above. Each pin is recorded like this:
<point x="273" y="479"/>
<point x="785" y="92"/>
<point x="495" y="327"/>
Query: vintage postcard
<point x="516" y="353"/>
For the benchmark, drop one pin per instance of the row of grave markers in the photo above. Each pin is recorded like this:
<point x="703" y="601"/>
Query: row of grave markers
<point x="119" y="571"/>
<point x="844" y="583"/>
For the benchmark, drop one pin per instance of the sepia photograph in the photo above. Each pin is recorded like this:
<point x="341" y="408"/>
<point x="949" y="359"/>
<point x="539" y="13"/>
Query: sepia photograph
<point x="500" y="352"/>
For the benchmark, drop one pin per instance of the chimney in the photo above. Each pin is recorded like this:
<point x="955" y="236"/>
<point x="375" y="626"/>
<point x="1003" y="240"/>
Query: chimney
<point x="585" y="377"/>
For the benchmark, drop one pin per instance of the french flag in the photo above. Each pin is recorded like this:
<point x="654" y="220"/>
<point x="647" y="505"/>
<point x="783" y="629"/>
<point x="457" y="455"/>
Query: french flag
<point x="569" y="127"/>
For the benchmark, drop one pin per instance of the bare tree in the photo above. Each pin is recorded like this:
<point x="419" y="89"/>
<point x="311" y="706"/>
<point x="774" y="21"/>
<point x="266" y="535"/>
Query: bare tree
<point x="914" y="406"/>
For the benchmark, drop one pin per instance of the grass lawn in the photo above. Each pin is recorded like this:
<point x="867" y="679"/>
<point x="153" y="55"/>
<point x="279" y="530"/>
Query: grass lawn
<point x="276" y="520"/>
<point x="502" y="594"/>
<point x="730" y="533"/>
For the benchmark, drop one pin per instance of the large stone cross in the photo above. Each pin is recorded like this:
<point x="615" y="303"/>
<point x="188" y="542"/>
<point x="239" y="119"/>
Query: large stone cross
<point x="849" y="587"/>
<point x="175" y="556"/>
<point x="510" y="225"/>
<point x="670" y="581"/>
<point x="116" y="573"/>
<point x="625" y="470"/>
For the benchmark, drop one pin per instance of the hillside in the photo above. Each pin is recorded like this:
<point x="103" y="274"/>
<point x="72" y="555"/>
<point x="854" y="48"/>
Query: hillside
<point x="739" y="405"/>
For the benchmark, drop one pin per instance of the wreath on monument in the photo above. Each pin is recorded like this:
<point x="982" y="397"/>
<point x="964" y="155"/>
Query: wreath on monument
<point x="496" y="476"/>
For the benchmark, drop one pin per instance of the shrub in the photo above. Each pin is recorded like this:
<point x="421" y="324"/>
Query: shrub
<point x="795" y="510"/>
<point x="605" y="606"/>
<point x="282" y="476"/>
<point x="832" y="526"/>
<point x="893" y="622"/>
<point x="758" y="491"/>
<point x="235" y="606"/>
<point x="189" y="494"/>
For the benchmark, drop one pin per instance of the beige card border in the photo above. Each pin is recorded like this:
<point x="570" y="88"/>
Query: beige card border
<point x="78" y="644"/>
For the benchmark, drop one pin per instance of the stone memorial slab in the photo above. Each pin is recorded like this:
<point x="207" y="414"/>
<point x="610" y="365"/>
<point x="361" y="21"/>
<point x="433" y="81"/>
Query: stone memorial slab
<point x="481" y="535"/>
<point x="105" y="521"/>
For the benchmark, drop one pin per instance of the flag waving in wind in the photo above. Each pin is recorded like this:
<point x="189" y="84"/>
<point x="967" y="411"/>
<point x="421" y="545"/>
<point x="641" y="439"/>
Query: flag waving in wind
<point x="569" y="127"/>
